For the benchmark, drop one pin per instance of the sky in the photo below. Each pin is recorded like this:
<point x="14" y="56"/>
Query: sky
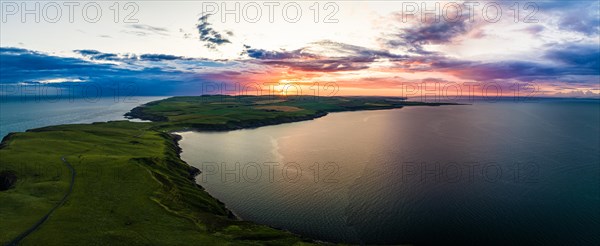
<point x="391" y="48"/>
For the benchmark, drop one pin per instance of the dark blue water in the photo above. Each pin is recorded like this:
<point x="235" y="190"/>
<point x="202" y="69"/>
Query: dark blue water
<point x="488" y="173"/>
<point x="19" y="114"/>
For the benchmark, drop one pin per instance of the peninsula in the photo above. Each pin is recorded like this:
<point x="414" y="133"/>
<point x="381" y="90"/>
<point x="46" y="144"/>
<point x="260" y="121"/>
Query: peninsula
<point x="123" y="183"/>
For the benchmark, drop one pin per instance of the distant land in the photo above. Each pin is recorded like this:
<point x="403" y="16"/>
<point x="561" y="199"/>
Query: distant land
<point x="123" y="182"/>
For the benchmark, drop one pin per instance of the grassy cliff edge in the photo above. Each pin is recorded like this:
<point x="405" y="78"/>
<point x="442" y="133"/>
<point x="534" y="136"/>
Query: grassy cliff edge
<point x="130" y="185"/>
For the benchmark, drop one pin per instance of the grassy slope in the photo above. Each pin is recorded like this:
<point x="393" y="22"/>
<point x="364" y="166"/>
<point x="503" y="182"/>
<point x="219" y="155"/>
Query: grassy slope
<point x="131" y="187"/>
<point x="227" y="112"/>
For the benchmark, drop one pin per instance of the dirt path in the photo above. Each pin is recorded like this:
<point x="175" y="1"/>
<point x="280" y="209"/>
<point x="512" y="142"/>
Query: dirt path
<point x="37" y="225"/>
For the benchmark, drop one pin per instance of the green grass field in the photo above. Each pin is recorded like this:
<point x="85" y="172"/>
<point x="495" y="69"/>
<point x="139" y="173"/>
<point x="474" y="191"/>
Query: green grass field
<point x="130" y="186"/>
<point x="229" y="112"/>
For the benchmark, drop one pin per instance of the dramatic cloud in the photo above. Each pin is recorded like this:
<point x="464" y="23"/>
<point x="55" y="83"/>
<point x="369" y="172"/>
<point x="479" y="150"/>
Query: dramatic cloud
<point x="97" y="55"/>
<point x="560" y="50"/>
<point x="429" y="33"/>
<point x="432" y="30"/>
<point x="25" y="67"/>
<point x="21" y="64"/>
<point x="209" y="35"/>
<point x="582" y="58"/>
<point x="576" y="16"/>
<point x="275" y="55"/>
<point x="568" y="61"/>
<point x="323" y="56"/>
<point x="161" y="57"/>
<point x="101" y="56"/>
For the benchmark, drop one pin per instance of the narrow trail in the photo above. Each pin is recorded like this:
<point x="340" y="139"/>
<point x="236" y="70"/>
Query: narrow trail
<point x="37" y="225"/>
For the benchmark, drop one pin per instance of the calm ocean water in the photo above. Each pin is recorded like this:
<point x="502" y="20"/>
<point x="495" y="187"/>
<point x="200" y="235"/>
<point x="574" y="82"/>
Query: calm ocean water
<point x="488" y="173"/>
<point x="18" y="114"/>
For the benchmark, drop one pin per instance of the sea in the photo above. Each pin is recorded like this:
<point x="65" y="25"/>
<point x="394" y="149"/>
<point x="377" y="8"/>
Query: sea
<point x="500" y="173"/>
<point x="487" y="173"/>
<point x="17" y="114"/>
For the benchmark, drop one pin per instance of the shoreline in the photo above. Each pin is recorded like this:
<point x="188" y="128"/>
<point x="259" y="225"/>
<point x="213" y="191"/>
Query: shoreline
<point x="177" y="137"/>
<point x="168" y="130"/>
<point x="175" y="134"/>
<point x="139" y="112"/>
<point x="194" y="172"/>
<point x="232" y="214"/>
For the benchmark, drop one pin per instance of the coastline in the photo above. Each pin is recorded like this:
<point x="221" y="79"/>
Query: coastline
<point x="176" y="138"/>
<point x="180" y="196"/>
<point x="167" y="130"/>
<point x="194" y="172"/>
